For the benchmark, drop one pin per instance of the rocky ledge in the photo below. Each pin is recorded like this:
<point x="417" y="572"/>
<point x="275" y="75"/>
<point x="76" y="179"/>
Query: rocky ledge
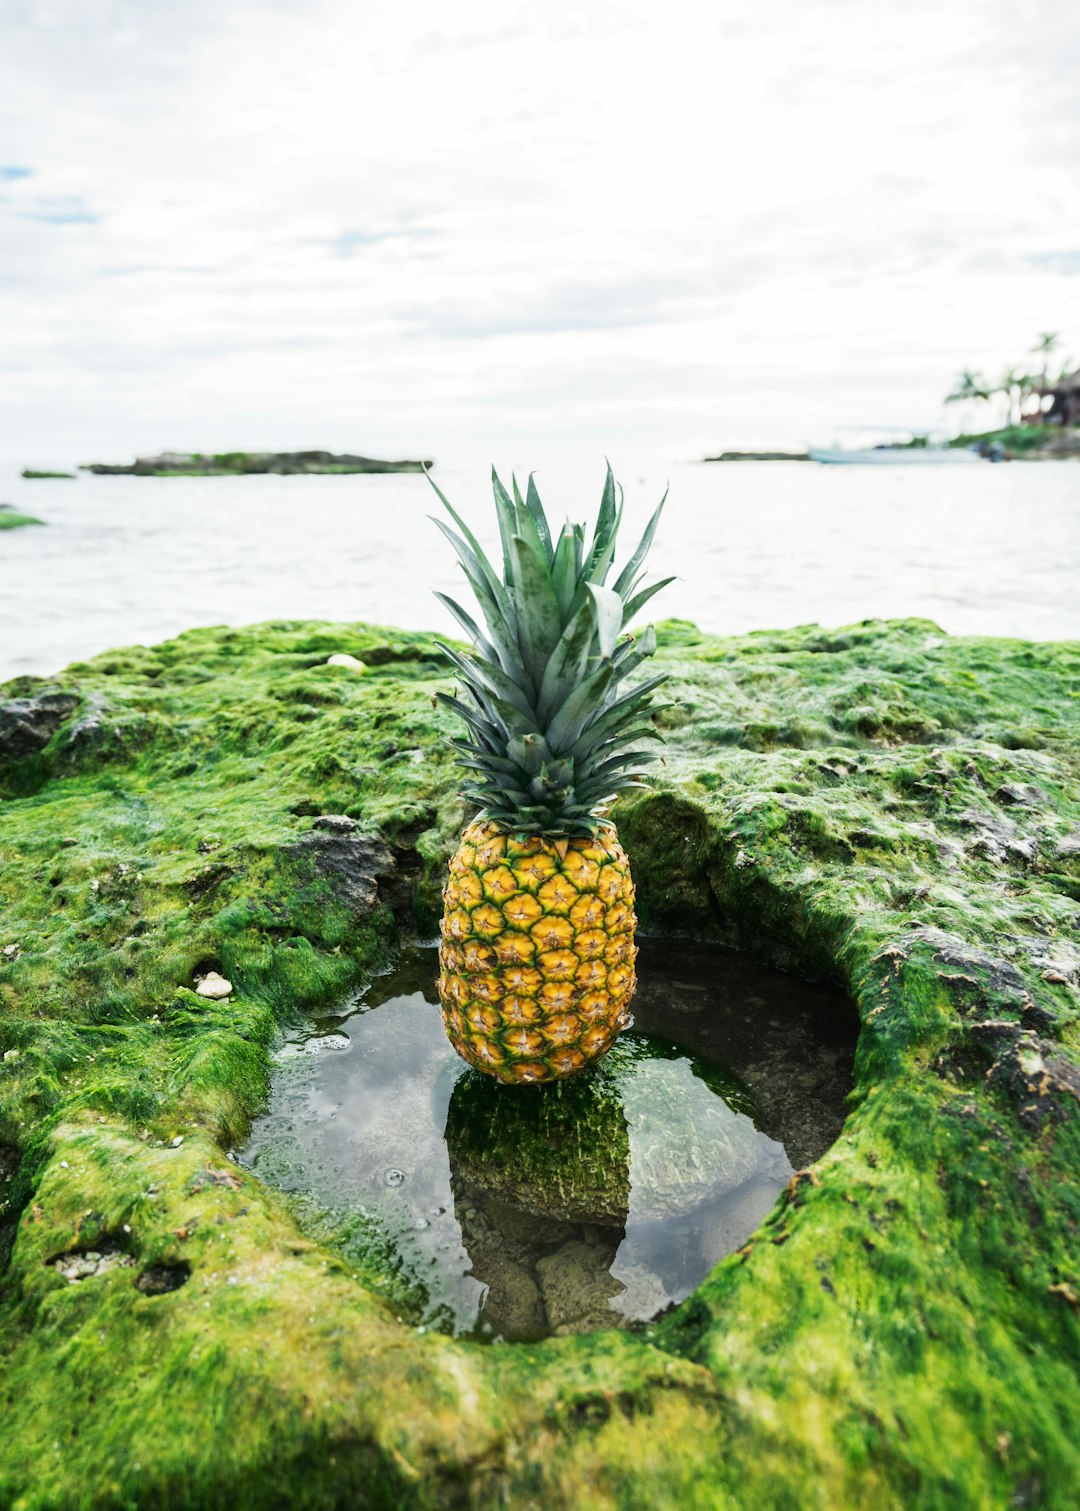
<point x="243" y="463"/>
<point x="883" y="806"/>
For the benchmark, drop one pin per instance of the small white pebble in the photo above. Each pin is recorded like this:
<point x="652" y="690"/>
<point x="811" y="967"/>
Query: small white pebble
<point x="63" y="1164"/>
<point x="213" y="986"/>
<point x="340" y="658"/>
<point x="127" y="1227"/>
<point x="177" y="1141"/>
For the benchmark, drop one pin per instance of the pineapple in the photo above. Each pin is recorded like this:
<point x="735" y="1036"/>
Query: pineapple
<point x="537" y="939"/>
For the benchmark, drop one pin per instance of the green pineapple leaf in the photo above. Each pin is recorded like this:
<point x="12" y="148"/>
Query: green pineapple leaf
<point x="554" y="726"/>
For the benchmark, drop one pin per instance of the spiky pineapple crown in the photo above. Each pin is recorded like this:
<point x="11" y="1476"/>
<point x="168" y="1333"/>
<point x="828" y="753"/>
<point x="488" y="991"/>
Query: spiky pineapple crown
<point x="553" y="733"/>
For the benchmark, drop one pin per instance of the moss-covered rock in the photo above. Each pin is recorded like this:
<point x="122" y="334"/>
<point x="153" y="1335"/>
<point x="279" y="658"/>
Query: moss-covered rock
<point x="882" y="805"/>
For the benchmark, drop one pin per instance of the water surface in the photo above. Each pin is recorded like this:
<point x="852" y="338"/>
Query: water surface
<point x="518" y="1212"/>
<point x="981" y="550"/>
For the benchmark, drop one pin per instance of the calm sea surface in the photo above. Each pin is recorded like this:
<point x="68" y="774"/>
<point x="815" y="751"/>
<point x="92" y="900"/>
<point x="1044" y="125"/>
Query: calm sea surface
<point x="982" y="550"/>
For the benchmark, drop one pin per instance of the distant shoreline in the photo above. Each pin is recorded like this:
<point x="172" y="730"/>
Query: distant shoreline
<point x="1012" y="443"/>
<point x="250" y="463"/>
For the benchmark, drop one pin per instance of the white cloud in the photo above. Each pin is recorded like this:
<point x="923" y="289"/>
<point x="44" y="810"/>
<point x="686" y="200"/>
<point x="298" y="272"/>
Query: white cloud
<point x="394" y="228"/>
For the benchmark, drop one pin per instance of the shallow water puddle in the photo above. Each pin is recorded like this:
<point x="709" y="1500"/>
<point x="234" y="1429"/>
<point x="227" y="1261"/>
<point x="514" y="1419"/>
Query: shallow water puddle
<point x="518" y="1212"/>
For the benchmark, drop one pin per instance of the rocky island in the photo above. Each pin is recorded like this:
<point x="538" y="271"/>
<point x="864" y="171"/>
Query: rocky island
<point x="204" y="839"/>
<point x="245" y="463"/>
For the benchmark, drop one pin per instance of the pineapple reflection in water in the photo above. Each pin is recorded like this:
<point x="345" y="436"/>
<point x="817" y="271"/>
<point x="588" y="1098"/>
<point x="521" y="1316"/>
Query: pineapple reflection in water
<point x="537" y="939"/>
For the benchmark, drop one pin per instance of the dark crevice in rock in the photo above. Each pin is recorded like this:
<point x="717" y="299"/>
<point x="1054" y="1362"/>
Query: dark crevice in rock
<point x="10" y="1205"/>
<point x="161" y="1278"/>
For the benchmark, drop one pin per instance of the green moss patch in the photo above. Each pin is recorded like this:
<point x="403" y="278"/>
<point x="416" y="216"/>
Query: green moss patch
<point x="883" y="805"/>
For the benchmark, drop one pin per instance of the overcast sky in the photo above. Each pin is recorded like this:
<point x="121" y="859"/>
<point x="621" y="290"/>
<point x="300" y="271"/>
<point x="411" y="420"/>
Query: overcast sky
<point x="491" y="228"/>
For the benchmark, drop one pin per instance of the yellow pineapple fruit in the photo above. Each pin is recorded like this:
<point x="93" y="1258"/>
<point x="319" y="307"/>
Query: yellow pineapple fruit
<point x="537" y="938"/>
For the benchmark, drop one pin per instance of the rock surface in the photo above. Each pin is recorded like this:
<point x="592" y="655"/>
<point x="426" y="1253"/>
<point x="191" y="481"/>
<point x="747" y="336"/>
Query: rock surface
<point x="28" y="724"/>
<point x="903" y="1330"/>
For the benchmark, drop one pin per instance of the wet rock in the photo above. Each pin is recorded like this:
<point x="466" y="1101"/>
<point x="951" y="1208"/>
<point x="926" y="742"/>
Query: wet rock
<point x="28" y="724"/>
<point x="961" y="956"/>
<point x="102" y="731"/>
<point x="335" y="823"/>
<point x="213" y="986"/>
<point x="1057" y="959"/>
<point x="360" y="869"/>
<point x="577" y="1286"/>
<point x="1039" y="1081"/>
<point x="1021" y="794"/>
<point x="513" y="1307"/>
<point x="997" y="838"/>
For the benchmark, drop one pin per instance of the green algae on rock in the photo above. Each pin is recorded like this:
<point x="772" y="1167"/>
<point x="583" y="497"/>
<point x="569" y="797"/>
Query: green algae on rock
<point x="884" y="806"/>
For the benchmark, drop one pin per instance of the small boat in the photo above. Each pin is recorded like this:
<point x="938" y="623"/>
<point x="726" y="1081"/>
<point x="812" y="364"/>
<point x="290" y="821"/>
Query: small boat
<point x="893" y="456"/>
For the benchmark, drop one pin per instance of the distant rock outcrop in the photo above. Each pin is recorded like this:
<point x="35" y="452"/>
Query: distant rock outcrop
<point x="242" y="463"/>
<point x="760" y="456"/>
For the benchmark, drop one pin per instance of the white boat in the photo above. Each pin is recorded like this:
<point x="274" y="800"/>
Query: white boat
<point x="894" y="456"/>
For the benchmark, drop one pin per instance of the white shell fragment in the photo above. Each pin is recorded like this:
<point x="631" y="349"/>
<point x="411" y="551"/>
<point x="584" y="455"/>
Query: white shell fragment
<point x="213" y="986"/>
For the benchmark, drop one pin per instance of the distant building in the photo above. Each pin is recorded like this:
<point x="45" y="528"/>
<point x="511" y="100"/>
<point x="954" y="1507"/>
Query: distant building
<point x="1064" y="407"/>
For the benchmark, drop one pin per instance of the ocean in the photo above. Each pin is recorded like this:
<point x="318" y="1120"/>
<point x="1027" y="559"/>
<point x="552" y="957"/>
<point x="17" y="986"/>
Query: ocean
<point x="988" y="550"/>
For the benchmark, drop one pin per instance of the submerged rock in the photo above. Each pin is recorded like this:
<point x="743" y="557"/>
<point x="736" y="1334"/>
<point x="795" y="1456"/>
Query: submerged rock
<point x="648" y="1131"/>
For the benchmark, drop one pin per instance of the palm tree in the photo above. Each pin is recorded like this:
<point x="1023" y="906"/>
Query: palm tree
<point x="1012" y="385"/>
<point x="969" y="385"/>
<point x="1048" y="342"/>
